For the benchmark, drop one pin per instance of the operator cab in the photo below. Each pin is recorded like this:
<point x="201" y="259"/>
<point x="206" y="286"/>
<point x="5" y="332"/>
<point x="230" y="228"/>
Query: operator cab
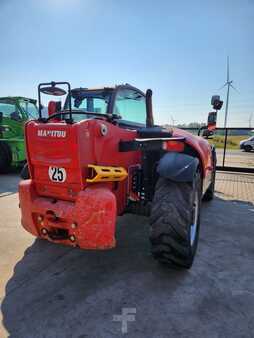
<point x="123" y="105"/>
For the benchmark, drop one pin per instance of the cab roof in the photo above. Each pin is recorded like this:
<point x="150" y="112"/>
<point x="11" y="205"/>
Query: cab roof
<point x="17" y="98"/>
<point x="108" y="88"/>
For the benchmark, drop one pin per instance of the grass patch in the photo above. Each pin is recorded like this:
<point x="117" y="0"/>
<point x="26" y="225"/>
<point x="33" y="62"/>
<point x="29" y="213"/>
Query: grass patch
<point x="233" y="142"/>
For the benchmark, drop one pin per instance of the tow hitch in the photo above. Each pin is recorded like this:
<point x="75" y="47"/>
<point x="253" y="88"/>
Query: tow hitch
<point x="57" y="234"/>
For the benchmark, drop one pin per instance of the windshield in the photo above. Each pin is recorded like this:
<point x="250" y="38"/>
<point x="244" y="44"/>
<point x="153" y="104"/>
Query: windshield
<point x="92" y="101"/>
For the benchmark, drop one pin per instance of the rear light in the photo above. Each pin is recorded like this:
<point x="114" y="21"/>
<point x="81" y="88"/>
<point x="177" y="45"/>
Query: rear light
<point x="177" y="146"/>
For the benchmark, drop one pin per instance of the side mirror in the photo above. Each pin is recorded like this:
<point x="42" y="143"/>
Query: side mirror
<point x="216" y="102"/>
<point x="51" y="88"/>
<point x="212" y="119"/>
<point x="1" y="117"/>
<point x="207" y="133"/>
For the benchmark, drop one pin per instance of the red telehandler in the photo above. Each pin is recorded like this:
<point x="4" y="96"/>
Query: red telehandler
<point x="101" y="156"/>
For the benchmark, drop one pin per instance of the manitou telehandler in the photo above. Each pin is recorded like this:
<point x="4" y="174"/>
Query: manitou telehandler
<point x="101" y="156"/>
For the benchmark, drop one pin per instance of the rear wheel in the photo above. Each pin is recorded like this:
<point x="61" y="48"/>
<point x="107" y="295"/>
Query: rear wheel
<point x="5" y="158"/>
<point x="175" y="221"/>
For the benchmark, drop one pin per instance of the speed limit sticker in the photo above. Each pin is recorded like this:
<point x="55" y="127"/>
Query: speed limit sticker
<point x="57" y="174"/>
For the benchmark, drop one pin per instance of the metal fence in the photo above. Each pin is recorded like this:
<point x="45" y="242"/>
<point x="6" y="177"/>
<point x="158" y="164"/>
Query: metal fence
<point x="230" y="156"/>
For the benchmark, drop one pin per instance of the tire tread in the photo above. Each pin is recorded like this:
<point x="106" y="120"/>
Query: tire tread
<point x="171" y="216"/>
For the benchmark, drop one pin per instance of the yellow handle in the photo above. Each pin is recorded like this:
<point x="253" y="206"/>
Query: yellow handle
<point x="107" y="174"/>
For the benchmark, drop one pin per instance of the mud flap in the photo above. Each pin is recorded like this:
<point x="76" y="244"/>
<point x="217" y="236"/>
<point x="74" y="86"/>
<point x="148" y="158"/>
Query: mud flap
<point x="178" y="167"/>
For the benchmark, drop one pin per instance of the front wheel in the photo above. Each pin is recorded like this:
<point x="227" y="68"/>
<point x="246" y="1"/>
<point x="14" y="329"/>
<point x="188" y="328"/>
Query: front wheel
<point x="175" y="221"/>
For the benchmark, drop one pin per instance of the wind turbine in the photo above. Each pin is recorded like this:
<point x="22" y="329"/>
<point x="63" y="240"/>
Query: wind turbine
<point x="228" y="83"/>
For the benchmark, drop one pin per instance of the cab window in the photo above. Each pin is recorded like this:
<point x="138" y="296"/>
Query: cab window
<point x="90" y="104"/>
<point x="131" y="106"/>
<point x="10" y="110"/>
<point x="90" y="101"/>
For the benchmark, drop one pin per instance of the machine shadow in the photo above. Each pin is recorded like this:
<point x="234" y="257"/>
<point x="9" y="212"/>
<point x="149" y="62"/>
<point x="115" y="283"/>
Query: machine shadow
<point x="53" y="282"/>
<point x="49" y="274"/>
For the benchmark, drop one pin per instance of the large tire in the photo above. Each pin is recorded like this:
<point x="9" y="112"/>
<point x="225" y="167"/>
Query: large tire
<point x="5" y="158"/>
<point x="173" y="235"/>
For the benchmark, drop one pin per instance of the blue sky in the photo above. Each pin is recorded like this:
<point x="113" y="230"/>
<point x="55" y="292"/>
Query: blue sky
<point x="177" y="48"/>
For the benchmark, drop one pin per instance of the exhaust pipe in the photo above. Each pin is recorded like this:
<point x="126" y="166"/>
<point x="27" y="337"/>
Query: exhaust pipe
<point x="149" y="108"/>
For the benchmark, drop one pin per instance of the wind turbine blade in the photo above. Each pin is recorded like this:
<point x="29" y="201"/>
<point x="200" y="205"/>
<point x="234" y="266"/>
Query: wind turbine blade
<point x="223" y="86"/>
<point x="234" y="88"/>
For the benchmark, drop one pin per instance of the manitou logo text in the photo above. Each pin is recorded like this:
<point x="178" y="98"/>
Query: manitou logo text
<point x="51" y="133"/>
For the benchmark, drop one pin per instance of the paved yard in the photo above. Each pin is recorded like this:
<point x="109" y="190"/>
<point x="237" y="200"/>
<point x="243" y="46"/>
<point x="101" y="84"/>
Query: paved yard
<point x="49" y="290"/>
<point x="235" y="186"/>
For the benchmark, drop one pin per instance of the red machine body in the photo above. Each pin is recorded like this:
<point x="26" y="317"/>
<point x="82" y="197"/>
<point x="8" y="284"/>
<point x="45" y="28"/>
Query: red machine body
<point x="71" y="210"/>
<point x="91" y="207"/>
<point x="85" y="210"/>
